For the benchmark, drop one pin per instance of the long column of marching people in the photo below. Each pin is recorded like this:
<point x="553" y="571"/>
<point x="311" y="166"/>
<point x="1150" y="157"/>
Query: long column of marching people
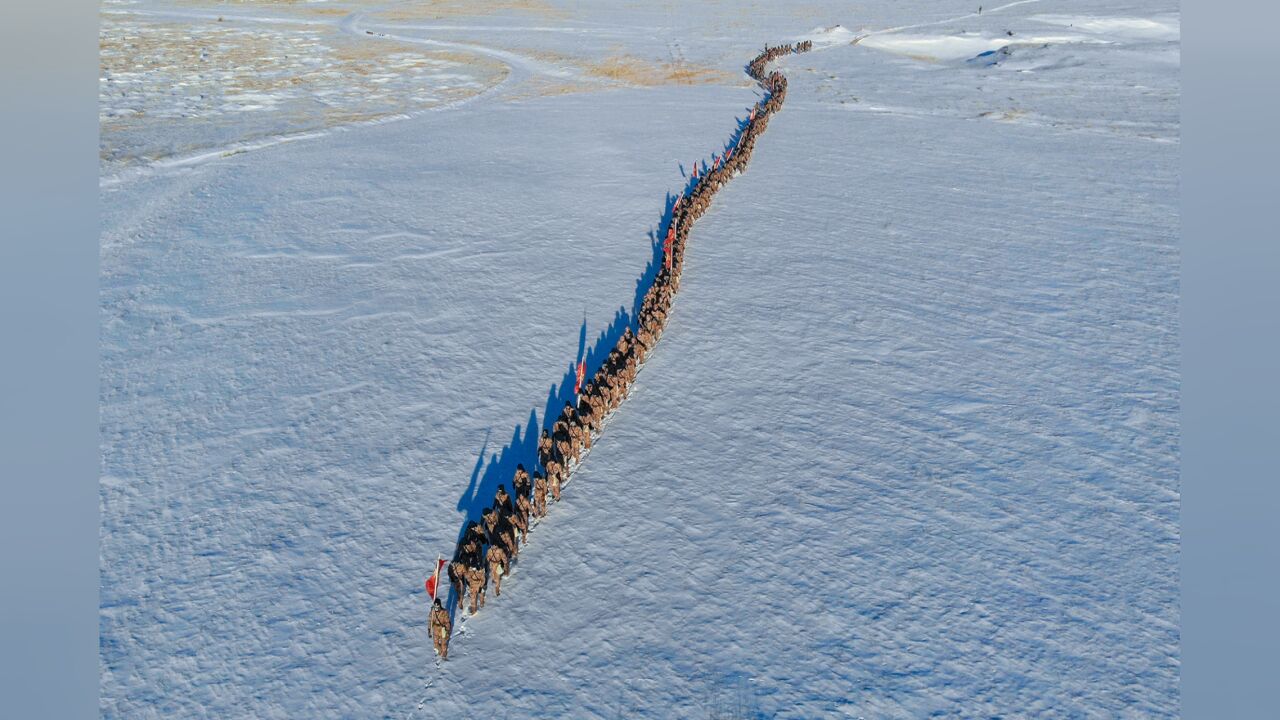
<point x="490" y="546"/>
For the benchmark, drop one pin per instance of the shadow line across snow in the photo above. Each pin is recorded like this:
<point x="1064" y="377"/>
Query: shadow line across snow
<point x="497" y="467"/>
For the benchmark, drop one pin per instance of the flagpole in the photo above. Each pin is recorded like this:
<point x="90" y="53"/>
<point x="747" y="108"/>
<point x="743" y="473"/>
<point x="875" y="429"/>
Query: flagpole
<point x="435" y="583"/>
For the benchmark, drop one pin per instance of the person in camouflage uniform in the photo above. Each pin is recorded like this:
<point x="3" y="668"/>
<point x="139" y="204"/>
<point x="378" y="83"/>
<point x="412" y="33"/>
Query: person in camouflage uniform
<point x="506" y="535"/>
<point x="554" y="470"/>
<point x="540" y="494"/>
<point x="502" y="501"/>
<point x="476" y="582"/>
<point x="457" y="574"/>
<point x="441" y="627"/>
<point x="553" y="481"/>
<point x="520" y="483"/>
<point x="524" y="512"/>
<point x="546" y="447"/>
<point x="489" y="518"/>
<point x="496" y="558"/>
<point x="473" y="538"/>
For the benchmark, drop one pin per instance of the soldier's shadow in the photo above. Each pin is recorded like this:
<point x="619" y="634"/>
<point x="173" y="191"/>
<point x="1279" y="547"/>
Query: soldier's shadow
<point x="703" y="167"/>
<point x="498" y="467"/>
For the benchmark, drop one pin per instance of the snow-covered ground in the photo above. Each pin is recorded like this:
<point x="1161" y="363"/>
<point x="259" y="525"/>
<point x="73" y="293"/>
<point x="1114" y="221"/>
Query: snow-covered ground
<point x="909" y="445"/>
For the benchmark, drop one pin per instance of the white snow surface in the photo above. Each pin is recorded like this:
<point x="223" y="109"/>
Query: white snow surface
<point x="908" y="447"/>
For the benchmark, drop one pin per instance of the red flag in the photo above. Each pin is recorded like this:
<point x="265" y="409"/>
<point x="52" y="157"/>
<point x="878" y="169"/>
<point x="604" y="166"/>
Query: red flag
<point x="434" y="579"/>
<point x="695" y="171"/>
<point x="582" y="375"/>
<point x="717" y="166"/>
<point x="753" y="112"/>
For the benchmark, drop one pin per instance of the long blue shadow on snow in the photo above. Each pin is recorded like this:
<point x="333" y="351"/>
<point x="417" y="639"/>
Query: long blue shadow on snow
<point x="500" y="466"/>
<point x="703" y="166"/>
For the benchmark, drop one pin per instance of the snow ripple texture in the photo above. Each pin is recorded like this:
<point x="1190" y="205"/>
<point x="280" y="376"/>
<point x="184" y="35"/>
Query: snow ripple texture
<point x="909" y="448"/>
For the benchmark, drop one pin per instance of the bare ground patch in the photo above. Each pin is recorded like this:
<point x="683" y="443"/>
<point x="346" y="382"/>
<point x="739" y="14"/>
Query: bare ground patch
<point x="441" y="9"/>
<point x="165" y="84"/>
<point x="633" y="70"/>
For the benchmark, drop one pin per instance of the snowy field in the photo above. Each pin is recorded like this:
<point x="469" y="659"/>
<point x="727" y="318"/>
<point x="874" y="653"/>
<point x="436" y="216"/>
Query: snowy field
<point x="908" y="447"/>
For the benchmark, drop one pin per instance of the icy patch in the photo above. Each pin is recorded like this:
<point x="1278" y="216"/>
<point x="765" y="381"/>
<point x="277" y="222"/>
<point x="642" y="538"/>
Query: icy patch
<point x="830" y="36"/>
<point x="1166" y="27"/>
<point x="962" y="46"/>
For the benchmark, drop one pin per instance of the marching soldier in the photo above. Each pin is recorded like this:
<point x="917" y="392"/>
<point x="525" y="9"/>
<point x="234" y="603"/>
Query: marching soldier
<point x="441" y="626"/>
<point x="586" y="414"/>
<point x="553" y="479"/>
<point x="502" y="501"/>
<point x="519" y="519"/>
<point x="540" y="494"/>
<point x="524" y="509"/>
<point x="497" y="560"/>
<point x="506" y="536"/>
<point x="561" y="426"/>
<point x="579" y="436"/>
<point x="545" y="447"/>
<point x="554" y="469"/>
<point x="476" y="582"/>
<point x="490" y="518"/>
<point x="457" y="573"/>
<point x="473" y="539"/>
<point x="521" y="481"/>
